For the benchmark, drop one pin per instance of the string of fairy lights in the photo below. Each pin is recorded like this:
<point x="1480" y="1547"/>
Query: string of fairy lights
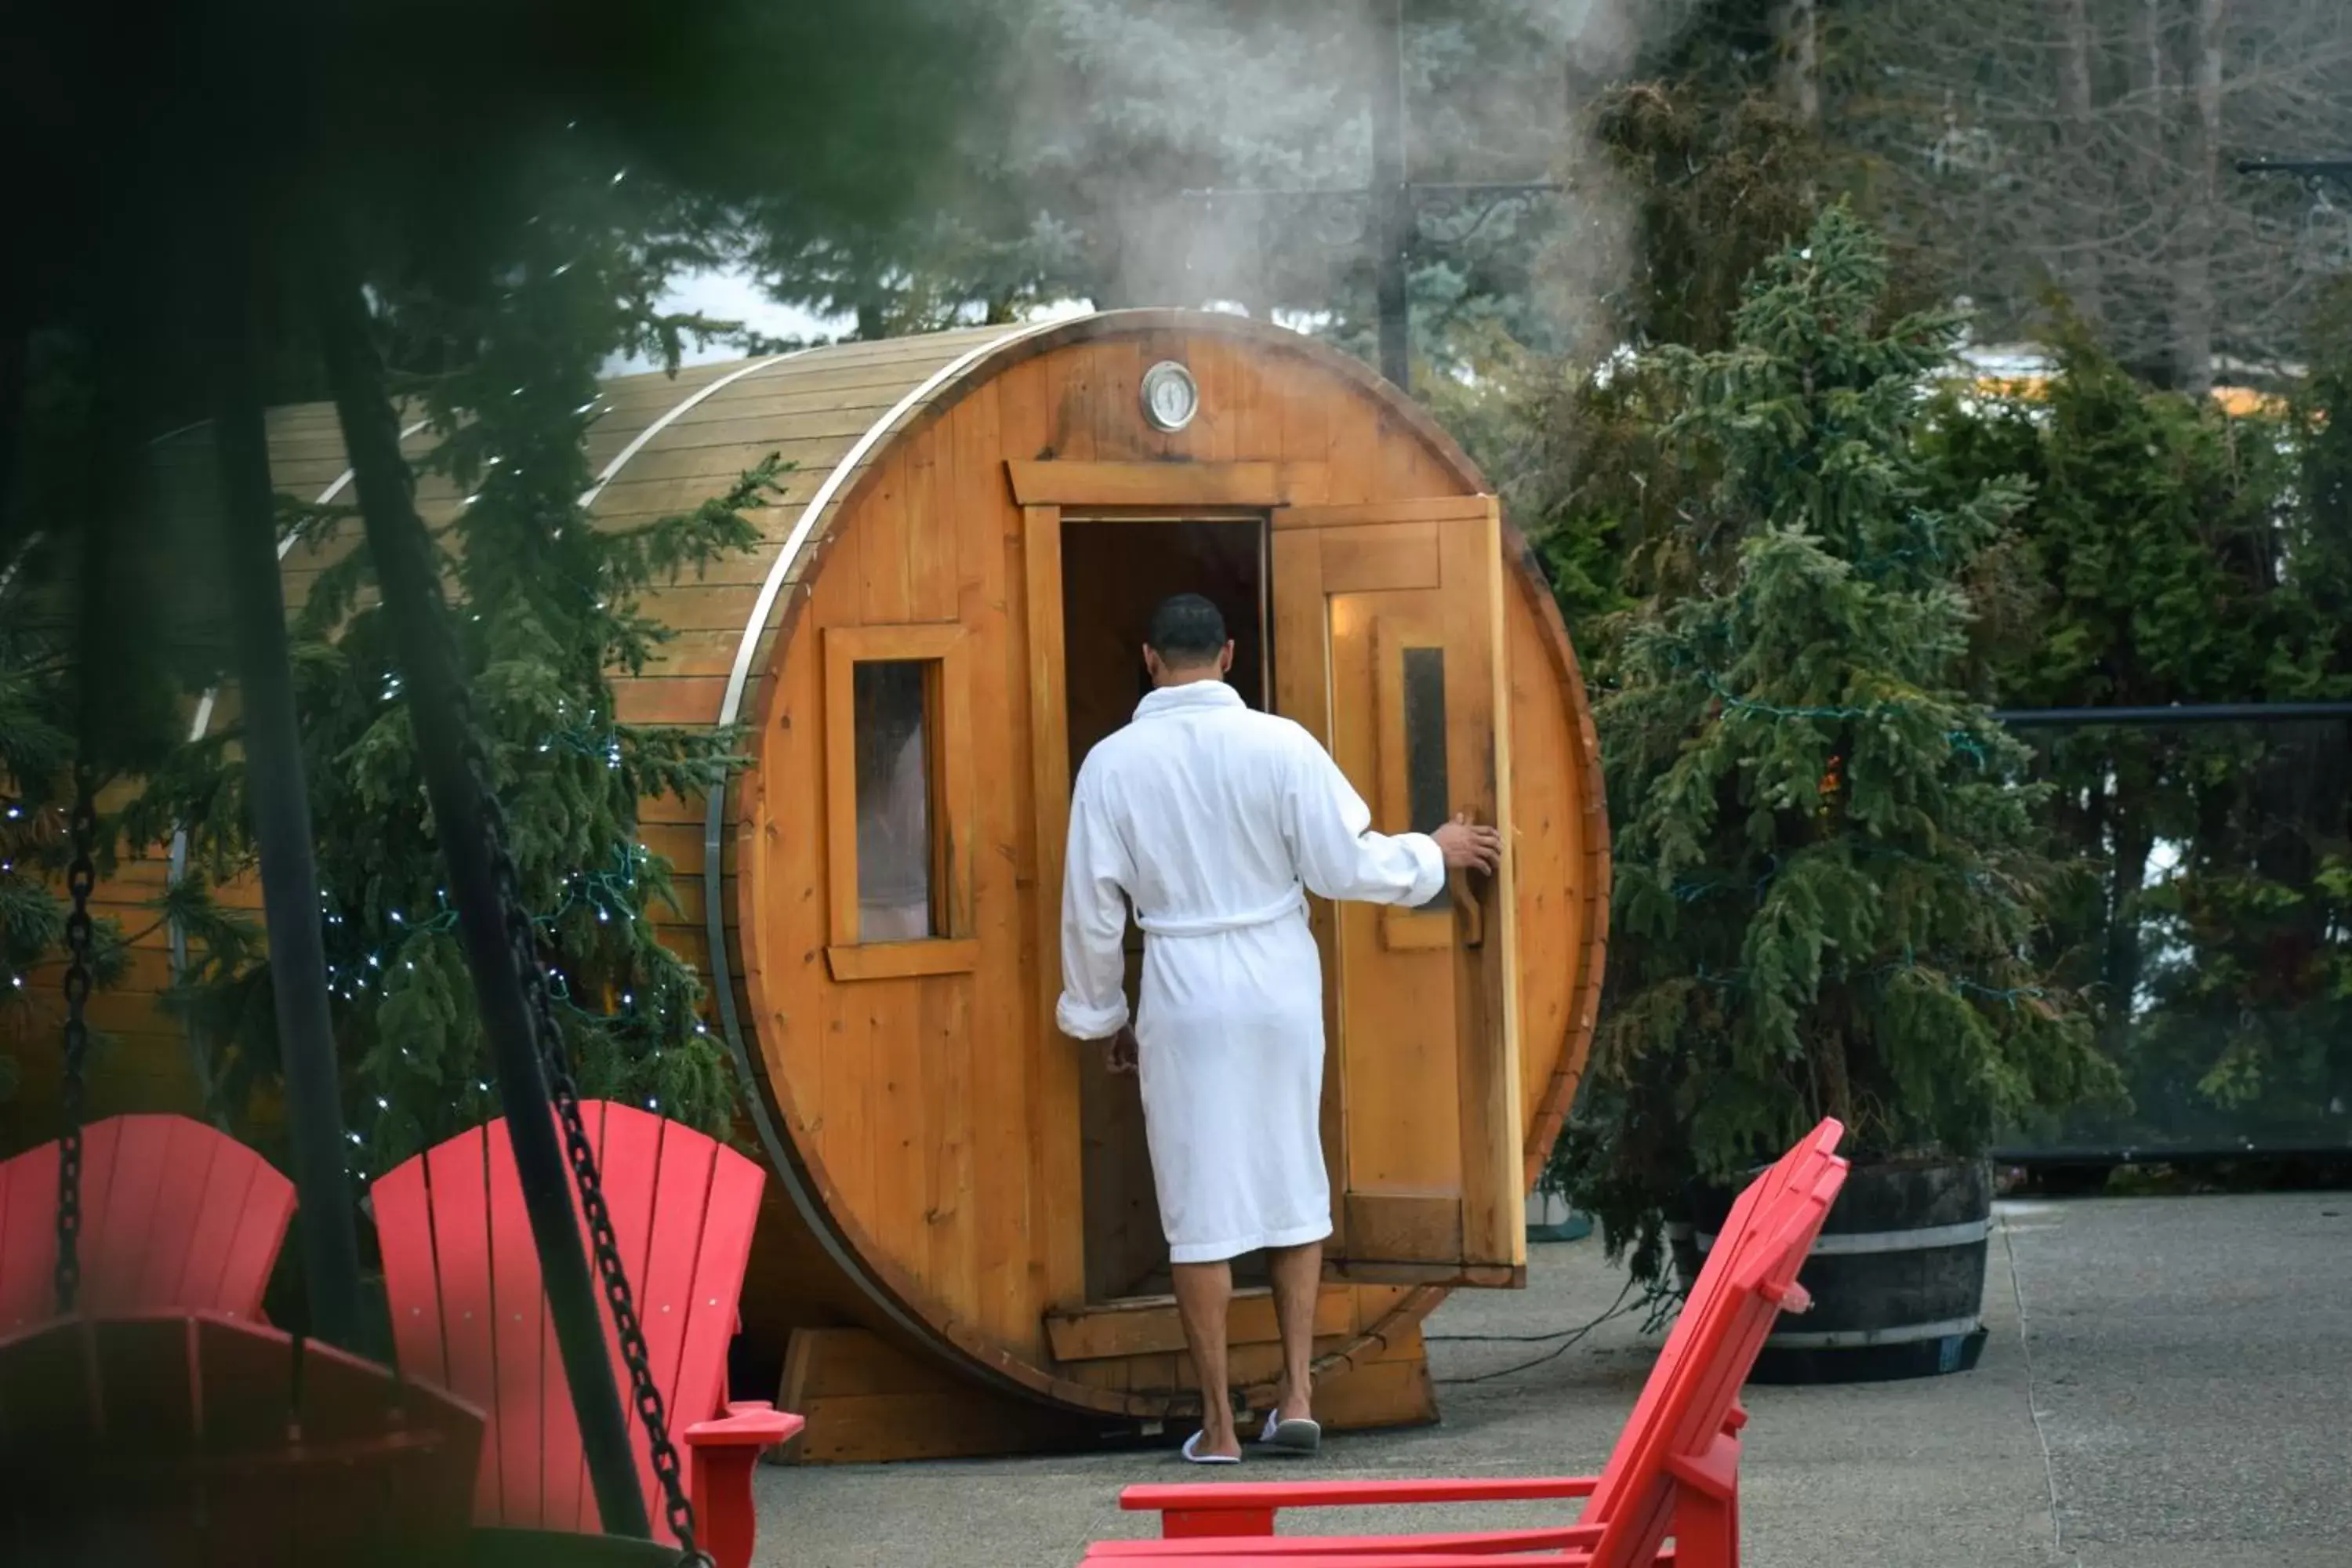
<point x="1965" y="741"/>
<point x="611" y="891"/>
<point x="1689" y="891"/>
<point x="606" y="890"/>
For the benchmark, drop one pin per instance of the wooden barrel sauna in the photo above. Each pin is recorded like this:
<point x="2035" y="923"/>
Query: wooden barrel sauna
<point x="1896" y="1276"/>
<point x="960" y="1249"/>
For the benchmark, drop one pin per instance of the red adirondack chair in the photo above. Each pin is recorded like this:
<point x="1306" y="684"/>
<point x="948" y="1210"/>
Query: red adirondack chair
<point x="176" y="1217"/>
<point x="250" y="1447"/>
<point x="1675" y="1468"/>
<point x="468" y="1312"/>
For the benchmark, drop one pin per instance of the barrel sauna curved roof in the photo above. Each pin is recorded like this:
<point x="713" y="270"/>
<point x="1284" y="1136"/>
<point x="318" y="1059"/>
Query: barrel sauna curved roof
<point x="834" y="414"/>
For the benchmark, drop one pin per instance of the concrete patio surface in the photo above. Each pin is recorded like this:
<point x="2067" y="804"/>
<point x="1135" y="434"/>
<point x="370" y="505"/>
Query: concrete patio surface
<point x="2165" y="1385"/>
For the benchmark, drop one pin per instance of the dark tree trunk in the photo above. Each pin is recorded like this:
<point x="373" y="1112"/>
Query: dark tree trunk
<point x="2080" y="163"/>
<point x="1833" y="1076"/>
<point x="2194" y="308"/>
<point x="1797" y="29"/>
<point x="276" y="796"/>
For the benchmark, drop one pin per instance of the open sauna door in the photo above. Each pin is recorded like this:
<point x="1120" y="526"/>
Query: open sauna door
<point x="1389" y="647"/>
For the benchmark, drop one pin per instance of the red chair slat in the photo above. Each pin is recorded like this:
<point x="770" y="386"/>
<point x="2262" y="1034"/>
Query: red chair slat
<point x="1384" y="1551"/>
<point x="1358" y="1494"/>
<point x="121" y="1178"/>
<point x="1791" y="1203"/>
<point x="1322" y="1548"/>
<point x="163" y="1272"/>
<point x="730" y="1214"/>
<point x="460" y="1255"/>
<point x="263" y="1206"/>
<point x="533" y="1441"/>
<point x="28" y="1237"/>
<point x="403" y="1214"/>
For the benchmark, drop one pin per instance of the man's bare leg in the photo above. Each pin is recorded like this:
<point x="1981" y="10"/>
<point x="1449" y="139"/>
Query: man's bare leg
<point x="1297" y="1278"/>
<point x="1203" y="1291"/>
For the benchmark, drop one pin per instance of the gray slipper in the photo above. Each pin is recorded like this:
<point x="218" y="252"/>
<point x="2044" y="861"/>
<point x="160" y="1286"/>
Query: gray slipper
<point x="1296" y="1435"/>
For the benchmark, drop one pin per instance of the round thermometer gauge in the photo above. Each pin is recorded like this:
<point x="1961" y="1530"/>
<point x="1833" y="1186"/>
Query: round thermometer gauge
<point x="1169" y="396"/>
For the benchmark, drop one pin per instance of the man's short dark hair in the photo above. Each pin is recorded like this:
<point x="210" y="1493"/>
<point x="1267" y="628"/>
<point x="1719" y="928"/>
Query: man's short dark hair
<point x="1187" y="630"/>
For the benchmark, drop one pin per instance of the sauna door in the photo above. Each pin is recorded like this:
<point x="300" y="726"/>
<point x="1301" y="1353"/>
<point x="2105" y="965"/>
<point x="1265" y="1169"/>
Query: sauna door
<point x="1388" y="645"/>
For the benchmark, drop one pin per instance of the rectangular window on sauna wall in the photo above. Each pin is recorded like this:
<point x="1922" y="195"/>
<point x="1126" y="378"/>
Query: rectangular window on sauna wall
<point x="898" y="802"/>
<point x="1413" y="786"/>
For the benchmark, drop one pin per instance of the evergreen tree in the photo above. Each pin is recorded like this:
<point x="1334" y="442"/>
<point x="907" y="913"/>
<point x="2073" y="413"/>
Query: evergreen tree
<point x="2173" y="559"/>
<point x="549" y="610"/>
<point x="1828" y="875"/>
<point x="2248" y="1015"/>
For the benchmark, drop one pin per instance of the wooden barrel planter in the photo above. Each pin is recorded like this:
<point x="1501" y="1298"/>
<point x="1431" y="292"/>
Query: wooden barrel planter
<point x="961" y="1253"/>
<point x="1897" y="1277"/>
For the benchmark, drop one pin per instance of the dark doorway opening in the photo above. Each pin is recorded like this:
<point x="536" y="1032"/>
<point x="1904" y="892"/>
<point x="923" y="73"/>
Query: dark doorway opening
<point x="1114" y="574"/>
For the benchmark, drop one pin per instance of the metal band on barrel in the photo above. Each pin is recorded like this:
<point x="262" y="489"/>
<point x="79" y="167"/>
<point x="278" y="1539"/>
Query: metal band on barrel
<point x="1865" y="1241"/>
<point x="1860" y="1339"/>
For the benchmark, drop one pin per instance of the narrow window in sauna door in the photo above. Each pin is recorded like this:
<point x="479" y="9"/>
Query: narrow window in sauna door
<point x="1388" y="645"/>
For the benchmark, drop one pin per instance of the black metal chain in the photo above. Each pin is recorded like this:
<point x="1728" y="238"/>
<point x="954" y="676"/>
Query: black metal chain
<point x="603" y="1245"/>
<point x="81" y="880"/>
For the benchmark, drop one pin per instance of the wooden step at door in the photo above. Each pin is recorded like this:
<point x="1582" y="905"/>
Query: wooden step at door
<point x="1148" y="1325"/>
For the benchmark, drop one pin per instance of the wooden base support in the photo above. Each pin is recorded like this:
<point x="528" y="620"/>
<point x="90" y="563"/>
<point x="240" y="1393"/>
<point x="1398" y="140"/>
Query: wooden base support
<point x="868" y="1402"/>
<point x="1387" y="1386"/>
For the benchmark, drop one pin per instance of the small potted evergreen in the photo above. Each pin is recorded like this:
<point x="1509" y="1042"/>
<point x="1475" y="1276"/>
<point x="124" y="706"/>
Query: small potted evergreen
<point x="1829" y="873"/>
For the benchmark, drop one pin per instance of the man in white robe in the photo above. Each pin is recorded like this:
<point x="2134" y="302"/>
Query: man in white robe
<point x="1215" y="821"/>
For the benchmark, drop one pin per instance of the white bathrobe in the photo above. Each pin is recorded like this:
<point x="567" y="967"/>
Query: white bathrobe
<point x="1209" y="817"/>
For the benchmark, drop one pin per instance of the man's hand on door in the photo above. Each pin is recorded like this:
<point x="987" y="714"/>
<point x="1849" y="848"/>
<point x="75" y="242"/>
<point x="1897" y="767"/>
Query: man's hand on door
<point x="1468" y="845"/>
<point x="1123" y="1049"/>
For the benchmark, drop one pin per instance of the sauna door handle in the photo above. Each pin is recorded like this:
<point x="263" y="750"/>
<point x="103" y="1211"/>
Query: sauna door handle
<point x="1470" y="915"/>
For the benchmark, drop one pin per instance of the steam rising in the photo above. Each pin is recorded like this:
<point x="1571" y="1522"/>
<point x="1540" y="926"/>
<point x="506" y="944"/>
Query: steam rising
<point x="1143" y="124"/>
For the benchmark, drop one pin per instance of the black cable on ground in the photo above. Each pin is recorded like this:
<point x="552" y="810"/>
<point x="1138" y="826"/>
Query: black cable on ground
<point x="1572" y="1337"/>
